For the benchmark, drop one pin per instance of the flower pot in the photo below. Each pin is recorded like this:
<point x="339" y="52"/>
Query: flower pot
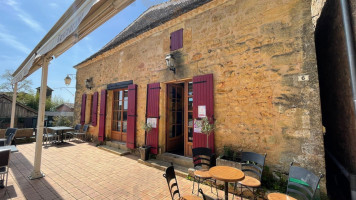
<point x="144" y="152"/>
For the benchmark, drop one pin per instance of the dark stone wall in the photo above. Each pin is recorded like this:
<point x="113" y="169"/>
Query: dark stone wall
<point x="336" y="96"/>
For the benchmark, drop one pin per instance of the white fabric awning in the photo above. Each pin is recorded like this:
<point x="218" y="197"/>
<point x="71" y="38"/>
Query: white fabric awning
<point x="68" y="28"/>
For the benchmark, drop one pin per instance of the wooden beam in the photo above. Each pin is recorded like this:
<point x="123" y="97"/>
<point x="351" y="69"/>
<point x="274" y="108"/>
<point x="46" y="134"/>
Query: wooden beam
<point x="13" y="108"/>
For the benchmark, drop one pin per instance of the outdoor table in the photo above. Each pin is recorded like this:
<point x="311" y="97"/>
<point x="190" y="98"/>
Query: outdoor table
<point x="60" y="129"/>
<point x="11" y="147"/>
<point x="279" y="196"/>
<point x="190" y="197"/>
<point x="226" y="174"/>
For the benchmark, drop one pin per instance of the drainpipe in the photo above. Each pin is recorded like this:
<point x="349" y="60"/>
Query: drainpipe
<point x="345" y="9"/>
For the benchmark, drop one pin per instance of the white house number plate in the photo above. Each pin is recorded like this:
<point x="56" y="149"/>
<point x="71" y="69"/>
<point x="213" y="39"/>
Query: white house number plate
<point x="303" y="78"/>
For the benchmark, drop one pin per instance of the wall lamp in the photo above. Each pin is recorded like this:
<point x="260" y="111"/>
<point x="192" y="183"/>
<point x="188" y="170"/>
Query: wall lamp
<point x="170" y="62"/>
<point x="89" y="83"/>
<point x="68" y="79"/>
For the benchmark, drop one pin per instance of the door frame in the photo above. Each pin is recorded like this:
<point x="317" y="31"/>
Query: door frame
<point x="122" y="136"/>
<point x="187" y="145"/>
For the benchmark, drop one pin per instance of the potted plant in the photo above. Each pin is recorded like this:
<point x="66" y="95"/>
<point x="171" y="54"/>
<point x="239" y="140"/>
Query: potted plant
<point x="205" y="127"/>
<point x="145" y="149"/>
<point x="229" y="158"/>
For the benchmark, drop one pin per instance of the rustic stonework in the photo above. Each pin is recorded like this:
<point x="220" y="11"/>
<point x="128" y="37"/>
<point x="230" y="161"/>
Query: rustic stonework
<point x="316" y="8"/>
<point x="256" y="50"/>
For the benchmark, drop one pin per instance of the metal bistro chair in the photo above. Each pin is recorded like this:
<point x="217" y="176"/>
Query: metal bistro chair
<point x="252" y="164"/>
<point x="82" y="134"/>
<point x="306" y="187"/>
<point x="4" y="166"/>
<point x="205" y="197"/>
<point x="77" y="128"/>
<point x="171" y="179"/>
<point x="202" y="162"/>
<point x="302" y="184"/>
<point x="10" y="137"/>
<point x="48" y="137"/>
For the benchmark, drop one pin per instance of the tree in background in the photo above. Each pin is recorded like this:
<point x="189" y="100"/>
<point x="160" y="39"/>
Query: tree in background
<point x="6" y="86"/>
<point x="62" y="121"/>
<point x="32" y="101"/>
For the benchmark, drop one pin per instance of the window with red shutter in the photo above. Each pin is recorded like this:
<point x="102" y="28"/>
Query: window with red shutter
<point x="176" y="40"/>
<point x="203" y="96"/>
<point x="94" y="114"/>
<point x="131" y="116"/>
<point x="102" y="115"/>
<point x="82" y="114"/>
<point x="152" y="111"/>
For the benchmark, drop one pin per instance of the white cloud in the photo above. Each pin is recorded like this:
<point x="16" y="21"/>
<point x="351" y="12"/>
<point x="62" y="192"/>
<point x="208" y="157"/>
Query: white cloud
<point x="11" y="41"/>
<point x="53" y="5"/>
<point x="24" y="16"/>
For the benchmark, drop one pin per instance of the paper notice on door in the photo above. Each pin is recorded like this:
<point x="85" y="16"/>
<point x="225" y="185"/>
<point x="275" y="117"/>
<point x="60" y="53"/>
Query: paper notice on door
<point x="202" y="111"/>
<point x="152" y="122"/>
<point x="197" y="126"/>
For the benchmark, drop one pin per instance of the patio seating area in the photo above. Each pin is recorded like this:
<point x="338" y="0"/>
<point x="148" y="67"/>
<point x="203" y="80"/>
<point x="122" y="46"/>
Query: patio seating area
<point x="82" y="171"/>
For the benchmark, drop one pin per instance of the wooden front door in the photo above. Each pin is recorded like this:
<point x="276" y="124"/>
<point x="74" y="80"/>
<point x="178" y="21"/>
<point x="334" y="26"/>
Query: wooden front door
<point x="175" y="125"/>
<point x="119" y="119"/>
<point x="180" y="118"/>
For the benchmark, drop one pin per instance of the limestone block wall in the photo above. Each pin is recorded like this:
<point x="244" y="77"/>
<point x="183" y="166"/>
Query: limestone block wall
<point x="262" y="56"/>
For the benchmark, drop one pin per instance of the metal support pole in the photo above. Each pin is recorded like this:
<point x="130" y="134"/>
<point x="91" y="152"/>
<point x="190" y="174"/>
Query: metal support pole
<point x="36" y="173"/>
<point x="13" y="108"/>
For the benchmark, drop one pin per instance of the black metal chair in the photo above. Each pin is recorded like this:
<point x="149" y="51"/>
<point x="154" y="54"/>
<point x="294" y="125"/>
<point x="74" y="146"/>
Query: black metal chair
<point x="252" y="165"/>
<point x="302" y="184"/>
<point x="205" y="197"/>
<point x="83" y="134"/>
<point x="202" y="162"/>
<point x="4" y="166"/>
<point x="170" y="176"/>
<point x="77" y="128"/>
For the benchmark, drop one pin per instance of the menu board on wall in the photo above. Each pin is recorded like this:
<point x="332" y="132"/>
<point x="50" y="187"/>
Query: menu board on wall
<point x="197" y="126"/>
<point x="201" y="111"/>
<point x="152" y="122"/>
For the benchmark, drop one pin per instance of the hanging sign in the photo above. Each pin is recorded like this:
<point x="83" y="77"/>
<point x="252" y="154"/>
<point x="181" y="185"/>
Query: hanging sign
<point x="202" y="111"/>
<point x="197" y="126"/>
<point x="152" y="122"/>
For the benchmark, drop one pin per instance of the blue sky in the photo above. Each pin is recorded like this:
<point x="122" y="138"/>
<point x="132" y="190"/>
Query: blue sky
<point x="24" y="23"/>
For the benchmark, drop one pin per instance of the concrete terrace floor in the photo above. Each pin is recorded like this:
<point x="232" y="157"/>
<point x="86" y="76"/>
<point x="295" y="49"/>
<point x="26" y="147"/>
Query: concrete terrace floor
<point x="82" y="171"/>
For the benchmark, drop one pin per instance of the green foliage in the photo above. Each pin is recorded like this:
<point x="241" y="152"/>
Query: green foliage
<point x="271" y="183"/>
<point x="62" y="121"/>
<point x="228" y="152"/>
<point x="32" y="100"/>
<point x="205" y="125"/>
<point x="147" y="127"/>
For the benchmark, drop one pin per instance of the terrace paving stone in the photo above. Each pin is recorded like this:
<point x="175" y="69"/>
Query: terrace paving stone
<point x="82" y="171"/>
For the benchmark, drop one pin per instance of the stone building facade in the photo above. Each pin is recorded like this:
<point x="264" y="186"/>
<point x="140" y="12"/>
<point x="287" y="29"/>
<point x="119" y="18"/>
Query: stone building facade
<point x="260" y="56"/>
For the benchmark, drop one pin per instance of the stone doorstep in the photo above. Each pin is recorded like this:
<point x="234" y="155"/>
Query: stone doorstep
<point x="117" y="145"/>
<point x="163" y="165"/>
<point x="176" y="159"/>
<point x="114" y="150"/>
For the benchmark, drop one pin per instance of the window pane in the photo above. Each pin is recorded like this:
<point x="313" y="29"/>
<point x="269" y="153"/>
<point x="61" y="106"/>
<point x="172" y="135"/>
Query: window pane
<point x="125" y="105"/>
<point x="173" y="117"/>
<point x="119" y="115"/>
<point x="172" y="131"/>
<point x="179" y="130"/>
<point x="120" y="105"/>
<point x="125" y="116"/>
<point x="190" y="134"/>
<point x="126" y="95"/>
<point x="179" y="92"/>
<point x="173" y="105"/>
<point x="179" y="117"/>
<point x="190" y="104"/>
<point x="120" y="96"/>
<point x="190" y="88"/>
<point x="190" y="119"/>
<point x="124" y="127"/>
<point x="119" y="126"/>
<point x="179" y="103"/>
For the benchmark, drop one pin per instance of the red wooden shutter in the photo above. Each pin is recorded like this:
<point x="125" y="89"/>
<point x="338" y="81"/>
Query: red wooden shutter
<point x="131" y="117"/>
<point x="94" y="115"/>
<point x="152" y="111"/>
<point x="102" y="115"/>
<point x="176" y="39"/>
<point x="203" y="96"/>
<point x="82" y="114"/>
